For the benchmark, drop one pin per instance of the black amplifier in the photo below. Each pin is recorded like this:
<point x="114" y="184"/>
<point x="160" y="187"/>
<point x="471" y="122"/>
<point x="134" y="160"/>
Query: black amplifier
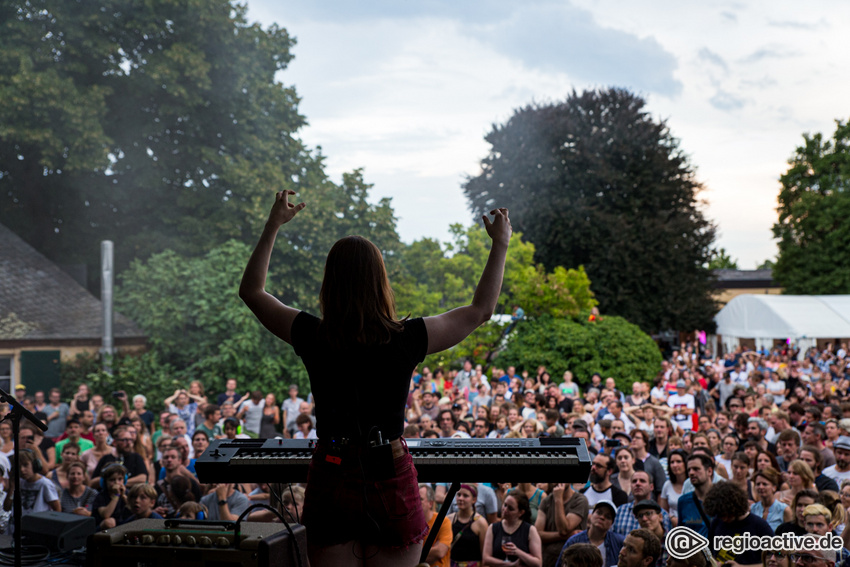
<point x="198" y="543"/>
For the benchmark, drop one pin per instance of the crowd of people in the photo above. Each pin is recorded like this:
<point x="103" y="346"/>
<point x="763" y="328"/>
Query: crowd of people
<point x="751" y="442"/>
<point x="122" y="461"/>
<point x="754" y="442"/>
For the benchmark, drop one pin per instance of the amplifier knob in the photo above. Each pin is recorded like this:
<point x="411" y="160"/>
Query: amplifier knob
<point x="204" y="541"/>
<point x="222" y="542"/>
<point x="190" y="540"/>
<point x="164" y="539"/>
<point x="147" y="539"/>
<point x="176" y="540"/>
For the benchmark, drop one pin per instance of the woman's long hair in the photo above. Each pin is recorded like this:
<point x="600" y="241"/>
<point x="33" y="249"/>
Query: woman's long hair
<point x="358" y="305"/>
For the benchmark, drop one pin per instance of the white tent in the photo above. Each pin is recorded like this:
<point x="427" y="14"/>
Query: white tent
<point x="801" y="318"/>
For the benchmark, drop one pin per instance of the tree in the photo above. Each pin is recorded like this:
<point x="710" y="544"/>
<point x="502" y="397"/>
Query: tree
<point x="609" y="345"/>
<point x="768" y="264"/>
<point x="434" y="277"/>
<point x="159" y="125"/>
<point x="721" y="260"/>
<point x="813" y="228"/>
<point x="198" y="328"/>
<point x="595" y="181"/>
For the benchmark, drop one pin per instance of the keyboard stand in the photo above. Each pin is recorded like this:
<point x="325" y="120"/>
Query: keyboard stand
<point x="438" y="522"/>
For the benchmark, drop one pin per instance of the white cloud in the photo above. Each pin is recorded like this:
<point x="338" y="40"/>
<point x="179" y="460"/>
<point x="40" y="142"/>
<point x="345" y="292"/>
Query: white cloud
<point x="408" y="90"/>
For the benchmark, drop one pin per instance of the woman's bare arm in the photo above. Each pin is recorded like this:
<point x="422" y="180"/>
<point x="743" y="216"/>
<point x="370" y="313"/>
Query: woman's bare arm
<point x="272" y="313"/>
<point x="448" y="329"/>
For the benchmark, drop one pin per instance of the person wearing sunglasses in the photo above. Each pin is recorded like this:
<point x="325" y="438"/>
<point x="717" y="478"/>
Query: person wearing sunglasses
<point x="813" y="558"/>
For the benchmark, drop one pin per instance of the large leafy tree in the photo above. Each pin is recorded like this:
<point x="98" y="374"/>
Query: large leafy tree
<point x="595" y="181"/>
<point x="157" y="124"/>
<point x="813" y="228"/>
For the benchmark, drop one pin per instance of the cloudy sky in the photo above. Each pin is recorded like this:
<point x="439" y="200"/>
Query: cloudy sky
<point x="407" y="90"/>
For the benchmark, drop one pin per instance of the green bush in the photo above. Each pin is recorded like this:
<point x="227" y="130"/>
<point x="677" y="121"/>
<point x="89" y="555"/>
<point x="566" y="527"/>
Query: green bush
<point x="610" y="345"/>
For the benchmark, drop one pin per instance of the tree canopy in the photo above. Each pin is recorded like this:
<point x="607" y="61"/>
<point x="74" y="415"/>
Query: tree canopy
<point x="159" y="125"/>
<point x="813" y="228"/>
<point x="595" y="181"/>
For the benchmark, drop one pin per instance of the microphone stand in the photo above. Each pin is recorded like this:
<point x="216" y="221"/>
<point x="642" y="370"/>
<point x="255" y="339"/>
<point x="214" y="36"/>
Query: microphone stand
<point x="16" y="412"/>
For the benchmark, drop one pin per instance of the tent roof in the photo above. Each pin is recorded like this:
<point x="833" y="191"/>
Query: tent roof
<point x="785" y="316"/>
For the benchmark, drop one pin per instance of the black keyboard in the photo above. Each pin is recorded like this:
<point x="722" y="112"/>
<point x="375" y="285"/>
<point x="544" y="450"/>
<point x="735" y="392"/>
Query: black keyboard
<point x="437" y="460"/>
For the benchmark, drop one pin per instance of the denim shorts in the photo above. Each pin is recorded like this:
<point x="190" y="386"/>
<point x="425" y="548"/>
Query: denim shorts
<point x="341" y="506"/>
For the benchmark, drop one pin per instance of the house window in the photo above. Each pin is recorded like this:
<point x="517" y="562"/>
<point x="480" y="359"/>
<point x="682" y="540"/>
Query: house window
<point x="6" y="373"/>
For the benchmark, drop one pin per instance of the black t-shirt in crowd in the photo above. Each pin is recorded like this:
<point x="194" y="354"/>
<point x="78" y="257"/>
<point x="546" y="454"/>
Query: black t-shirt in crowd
<point x="361" y="383"/>
<point x="752" y="524"/>
<point x="133" y="462"/>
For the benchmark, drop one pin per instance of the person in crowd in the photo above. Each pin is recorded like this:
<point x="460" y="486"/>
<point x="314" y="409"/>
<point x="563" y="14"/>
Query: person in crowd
<point x="438" y="555"/>
<point x="562" y="514"/>
<point x="601" y="487"/>
<point x="142" y="412"/>
<point x="766" y="482"/>
<point x="643" y="489"/>
<point x="142" y="499"/>
<point x="639" y="445"/>
<point x="741" y="473"/>
<point x="200" y="442"/>
<point x="38" y="493"/>
<point x="80" y="402"/>
<point x="597" y="534"/>
<point x="177" y="484"/>
<point x="90" y="457"/>
<point x="289" y="409"/>
<point x="648" y="514"/>
<point x="178" y="429"/>
<point x="230" y="427"/>
<point x="663" y="430"/>
<point x="469" y="528"/>
<point x="769" y="558"/>
<point x="210" y="426"/>
<point x="7" y="442"/>
<point x="251" y="412"/>
<point x="797" y="526"/>
<point x="513" y="539"/>
<point x="162" y="444"/>
<point x="143" y="443"/>
<point x="672" y="489"/>
<point x="812" y="457"/>
<point x="229" y="394"/>
<point x="535" y="496"/>
<point x="73" y="429"/>
<point x="641" y="548"/>
<point x="727" y="504"/>
<point x="225" y="503"/>
<point x="78" y="497"/>
<point x="57" y="412"/>
<point x="184" y="405"/>
<point x="800" y="477"/>
<point x="59" y="475"/>
<point x="840" y="471"/>
<point x="131" y="461"/>
<point x="270" y="419"/>
<point x="815" y="434"/>
<point x="788" y="448"/>
<point x="625" y="460"/>
<point x="819" y="521"/>
<point x="691" y="509"/>
<point x="305" y="429"/>
<point x="110" y="506"/>
<point x="109" y="416"/>
<point x="729" y="446"/>
<point x="192" y="511"/>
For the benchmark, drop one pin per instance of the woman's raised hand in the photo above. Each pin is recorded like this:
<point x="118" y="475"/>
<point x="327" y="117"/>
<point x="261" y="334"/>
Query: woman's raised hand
<point x="499" y="228"/>
<point x="282" y="210"/>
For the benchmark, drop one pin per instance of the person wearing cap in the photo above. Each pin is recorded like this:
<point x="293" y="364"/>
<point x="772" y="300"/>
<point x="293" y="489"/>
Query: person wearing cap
<point x="841" y="469"/>
<point x="599" y="534"/>
<point x="648" y="514"/>
<point x="683" y="405"/>
<point x="20" y="393"/>
<point x="642" y="489"/>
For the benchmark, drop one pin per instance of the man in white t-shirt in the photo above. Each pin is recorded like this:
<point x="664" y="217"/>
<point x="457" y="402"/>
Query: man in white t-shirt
<point x="841" y="469"/>
<point x="683" y="405"/>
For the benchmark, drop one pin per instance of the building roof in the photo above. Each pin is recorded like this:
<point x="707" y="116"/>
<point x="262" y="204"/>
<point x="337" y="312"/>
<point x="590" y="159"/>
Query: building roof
<point x="742" y="279"/>
<point x="39" y="301"/>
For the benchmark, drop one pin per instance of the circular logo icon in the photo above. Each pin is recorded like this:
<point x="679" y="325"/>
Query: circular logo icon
<point x="682" y="542"/>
